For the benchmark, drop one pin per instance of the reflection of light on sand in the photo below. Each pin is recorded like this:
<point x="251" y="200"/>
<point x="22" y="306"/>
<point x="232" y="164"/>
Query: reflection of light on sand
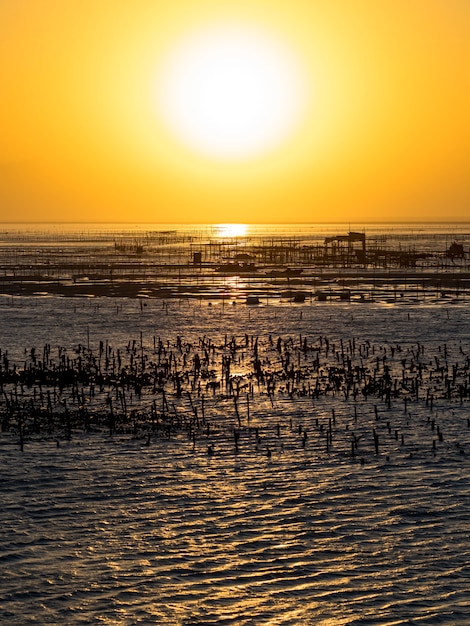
<point x="231" y="230"/>
<point x="234" y="288"/>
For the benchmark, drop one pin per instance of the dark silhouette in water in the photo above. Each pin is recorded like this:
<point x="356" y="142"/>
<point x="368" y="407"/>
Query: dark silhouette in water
<point x="158" y="392"/>
<point x="170" y="264"/>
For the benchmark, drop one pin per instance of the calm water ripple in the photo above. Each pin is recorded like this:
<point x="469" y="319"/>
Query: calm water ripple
<point x="108" y="530"/>
<point x="91" y="534"/>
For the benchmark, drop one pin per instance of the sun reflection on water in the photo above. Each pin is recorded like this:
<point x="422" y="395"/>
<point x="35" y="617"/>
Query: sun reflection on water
<point x="231" y="230"/>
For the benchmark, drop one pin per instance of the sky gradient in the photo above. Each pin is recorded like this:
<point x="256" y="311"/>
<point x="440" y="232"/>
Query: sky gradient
<point x="384" y="134"/>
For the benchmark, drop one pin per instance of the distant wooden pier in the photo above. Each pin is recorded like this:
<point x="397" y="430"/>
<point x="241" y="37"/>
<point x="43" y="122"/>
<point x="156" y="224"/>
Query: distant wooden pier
<point x="199" y="263"/>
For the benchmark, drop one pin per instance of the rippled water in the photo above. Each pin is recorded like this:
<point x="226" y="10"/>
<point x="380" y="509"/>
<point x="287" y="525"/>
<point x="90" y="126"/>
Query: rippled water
<point x="109" y="530"/>
<point x="112" y="533"/>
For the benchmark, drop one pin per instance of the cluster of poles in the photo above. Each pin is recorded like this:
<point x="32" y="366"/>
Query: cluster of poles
<point x="233" y="395"/>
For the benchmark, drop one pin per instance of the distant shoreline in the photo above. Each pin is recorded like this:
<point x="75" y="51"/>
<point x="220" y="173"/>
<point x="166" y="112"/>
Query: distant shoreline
<point x="269" y="262"/>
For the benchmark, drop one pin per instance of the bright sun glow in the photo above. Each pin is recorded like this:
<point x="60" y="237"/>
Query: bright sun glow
<point x="231" y="230"/>
<point x="230" y="92"/>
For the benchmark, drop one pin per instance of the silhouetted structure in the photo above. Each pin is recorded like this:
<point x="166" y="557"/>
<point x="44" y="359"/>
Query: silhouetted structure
<point x="338" y="249"/>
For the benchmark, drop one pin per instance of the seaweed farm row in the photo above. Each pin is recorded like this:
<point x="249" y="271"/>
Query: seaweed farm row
<point x="247" y="394"/>
<point x="199" y="262"/>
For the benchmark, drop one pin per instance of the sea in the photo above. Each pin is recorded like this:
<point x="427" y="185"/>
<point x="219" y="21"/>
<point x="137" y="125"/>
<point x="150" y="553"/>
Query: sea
<point x="286" y="462"/>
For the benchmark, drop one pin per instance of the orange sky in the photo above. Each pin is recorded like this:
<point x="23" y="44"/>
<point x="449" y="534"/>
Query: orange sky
<point x="384" y="136"/>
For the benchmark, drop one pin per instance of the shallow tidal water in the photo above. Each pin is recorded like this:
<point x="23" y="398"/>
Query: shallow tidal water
<point x="108" y="530"/>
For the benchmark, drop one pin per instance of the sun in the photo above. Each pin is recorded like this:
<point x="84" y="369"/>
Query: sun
<point x="230" y="92"/>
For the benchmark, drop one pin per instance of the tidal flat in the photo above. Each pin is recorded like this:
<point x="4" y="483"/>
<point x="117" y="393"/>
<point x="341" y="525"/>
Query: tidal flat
<point x="321" y="478"/>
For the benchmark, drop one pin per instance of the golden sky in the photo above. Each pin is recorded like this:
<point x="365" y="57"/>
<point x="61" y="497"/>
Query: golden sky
<point x="379" y="130"/>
